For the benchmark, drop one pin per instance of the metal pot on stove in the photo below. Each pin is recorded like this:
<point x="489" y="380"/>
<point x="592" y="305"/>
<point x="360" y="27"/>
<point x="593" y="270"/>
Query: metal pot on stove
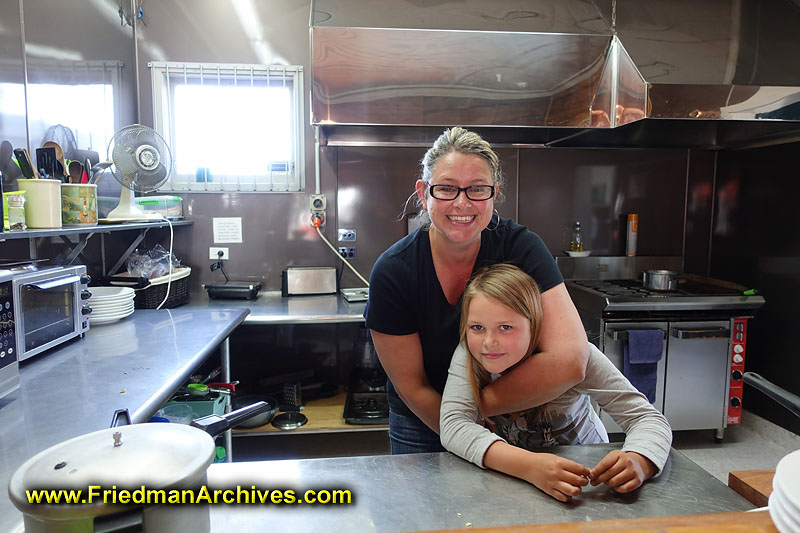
<point x="660" y="280"/>
<point x="147" y="459"/>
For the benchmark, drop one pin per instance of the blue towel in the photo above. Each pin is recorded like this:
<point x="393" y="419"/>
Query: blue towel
<point x="642" y="352"/>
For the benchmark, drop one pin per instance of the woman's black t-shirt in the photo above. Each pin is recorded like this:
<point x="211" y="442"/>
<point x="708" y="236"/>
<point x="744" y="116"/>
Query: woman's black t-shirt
<point x="405" y="296"/>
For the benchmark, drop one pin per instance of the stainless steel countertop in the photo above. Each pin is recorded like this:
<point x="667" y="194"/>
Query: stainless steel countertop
<point x="271" y="308"/>
<point x="136" y="363"/>
<point x="439" y="490"/>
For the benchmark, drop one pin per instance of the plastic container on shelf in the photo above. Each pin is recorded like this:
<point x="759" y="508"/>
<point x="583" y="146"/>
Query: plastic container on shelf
<point x="212" y="406"/>
<point x="16" y="212"/>
<point x="167" y="206"/>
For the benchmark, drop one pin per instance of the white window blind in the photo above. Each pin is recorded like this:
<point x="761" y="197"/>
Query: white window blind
<point x="231" y="127"/>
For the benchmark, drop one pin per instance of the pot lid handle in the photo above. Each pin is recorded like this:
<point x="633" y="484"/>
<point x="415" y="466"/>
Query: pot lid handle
<point x="122" y="417"/>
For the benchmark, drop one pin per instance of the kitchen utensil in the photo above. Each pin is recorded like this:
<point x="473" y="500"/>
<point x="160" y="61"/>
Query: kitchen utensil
<point x="292" y="418"/>
<point x="46" y="161"/>
<point x="42" y="203"/>
<point x="75" y="169"/>
<point x="157" y="456"/>
<point x="25" y="165"/>
<point x="660" y="280"/>
<point x="97" y="170"/>
<point x="87" y="168"/>
<point x="258" y="420"/>
<point x="59" y="155"/>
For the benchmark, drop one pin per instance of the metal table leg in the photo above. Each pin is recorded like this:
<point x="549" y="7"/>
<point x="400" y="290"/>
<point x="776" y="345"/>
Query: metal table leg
<point x="225" y="364"/>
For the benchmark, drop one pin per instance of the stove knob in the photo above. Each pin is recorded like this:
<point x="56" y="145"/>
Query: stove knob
<point x="738" y="348"/>
<point x="735" y="402"/>
<point x="737" y="358"/>
<point x="86" y="310"/>
<point x="739" y="337"/>
<point x="86" y="279"/>
<point x="85" y="295"/>
<point x="736" y="375"/>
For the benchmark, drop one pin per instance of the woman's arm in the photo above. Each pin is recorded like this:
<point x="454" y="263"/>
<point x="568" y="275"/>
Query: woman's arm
<point x="401" y="358"/>
<point x="559" y="365"/>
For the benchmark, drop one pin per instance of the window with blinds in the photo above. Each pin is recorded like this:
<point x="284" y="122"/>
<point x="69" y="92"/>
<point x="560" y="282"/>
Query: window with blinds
<point x="231" y="127"/>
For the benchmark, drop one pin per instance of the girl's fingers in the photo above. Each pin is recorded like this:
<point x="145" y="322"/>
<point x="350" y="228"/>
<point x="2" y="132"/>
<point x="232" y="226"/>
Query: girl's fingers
<point x="629" y="486"/>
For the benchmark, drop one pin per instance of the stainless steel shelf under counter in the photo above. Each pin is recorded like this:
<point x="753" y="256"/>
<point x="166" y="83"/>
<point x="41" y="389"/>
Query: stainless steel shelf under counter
<point x="136" y="363"/>
<point x="272" y="308"/>
<point x="441" y="491"/>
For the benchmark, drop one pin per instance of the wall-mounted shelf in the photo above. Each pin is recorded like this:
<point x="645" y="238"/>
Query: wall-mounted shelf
<point x="85" y="233"/>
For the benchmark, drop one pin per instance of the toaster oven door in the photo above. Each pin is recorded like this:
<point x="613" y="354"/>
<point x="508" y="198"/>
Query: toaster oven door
<point x="47" y="310"/>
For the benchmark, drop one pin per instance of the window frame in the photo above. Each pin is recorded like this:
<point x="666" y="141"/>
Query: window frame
<point x="164" y="120"/>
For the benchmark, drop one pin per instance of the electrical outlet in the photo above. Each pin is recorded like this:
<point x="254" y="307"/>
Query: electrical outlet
<point x="213" y="253"/>
<point x="318" y="206"/>
<point x="347" y="253"/>
<point x="347" y="235"/>
<point x="318" y="202"/>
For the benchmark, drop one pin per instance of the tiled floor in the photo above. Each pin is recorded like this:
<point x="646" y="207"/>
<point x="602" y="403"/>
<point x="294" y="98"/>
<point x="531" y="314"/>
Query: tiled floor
<point x="756" y="443"/>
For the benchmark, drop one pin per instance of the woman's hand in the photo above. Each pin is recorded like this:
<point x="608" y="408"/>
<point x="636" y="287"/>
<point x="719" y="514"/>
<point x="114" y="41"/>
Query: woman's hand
<point x="560" y="478"/>
<point x="622" y="471"/>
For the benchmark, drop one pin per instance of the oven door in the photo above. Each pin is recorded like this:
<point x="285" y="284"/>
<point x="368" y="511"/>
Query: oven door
<point x="614" y="338"/>
<point x="696" y="393"/>
<point x="47" y="312"/>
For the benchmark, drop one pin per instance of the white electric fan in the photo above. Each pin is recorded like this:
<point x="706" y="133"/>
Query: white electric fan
<point x="142" y="162"/>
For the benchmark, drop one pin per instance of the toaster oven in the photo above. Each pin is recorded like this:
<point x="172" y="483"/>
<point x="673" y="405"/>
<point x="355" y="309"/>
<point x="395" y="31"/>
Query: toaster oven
<point x="50" y="307"/>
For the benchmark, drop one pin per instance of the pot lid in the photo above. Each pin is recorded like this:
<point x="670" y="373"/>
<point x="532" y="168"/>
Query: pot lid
<point x="158" y="456"/>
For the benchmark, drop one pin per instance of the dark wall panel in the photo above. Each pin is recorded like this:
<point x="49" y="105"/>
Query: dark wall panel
<point x="755" y="243"/>
<point x="599" y="188"/>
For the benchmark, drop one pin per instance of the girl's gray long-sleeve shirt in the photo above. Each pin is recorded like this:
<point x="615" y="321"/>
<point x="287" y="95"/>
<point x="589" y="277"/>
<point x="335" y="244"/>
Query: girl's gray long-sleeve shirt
<point x="568" y="419"/>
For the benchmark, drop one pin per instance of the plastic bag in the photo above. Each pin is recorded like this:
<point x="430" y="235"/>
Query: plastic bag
<point x="153" y="263"/>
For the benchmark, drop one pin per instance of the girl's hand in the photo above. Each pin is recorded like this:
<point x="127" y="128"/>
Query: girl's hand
<point x="560" y="478"/>
<point x="622" y="471"/>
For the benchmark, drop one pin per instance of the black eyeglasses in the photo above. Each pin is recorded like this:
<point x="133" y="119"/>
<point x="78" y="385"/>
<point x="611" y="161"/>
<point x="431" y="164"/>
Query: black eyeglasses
<point x="476" y="193"/>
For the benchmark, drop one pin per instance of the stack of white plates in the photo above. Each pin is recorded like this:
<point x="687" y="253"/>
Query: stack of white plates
<point x="784" y="502"/>
<point x="110" y="304"/>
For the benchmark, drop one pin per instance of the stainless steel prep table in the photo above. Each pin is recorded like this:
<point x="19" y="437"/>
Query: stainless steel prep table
<point x="271" y="308"/>
<point x="440" y="490"/>
<point x="136" y="363"/>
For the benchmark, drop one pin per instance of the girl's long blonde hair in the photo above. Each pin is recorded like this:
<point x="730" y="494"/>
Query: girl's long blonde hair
<point x="510" y="286"/>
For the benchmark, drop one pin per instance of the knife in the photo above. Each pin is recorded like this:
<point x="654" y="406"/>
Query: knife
<point x="24" y="160"/>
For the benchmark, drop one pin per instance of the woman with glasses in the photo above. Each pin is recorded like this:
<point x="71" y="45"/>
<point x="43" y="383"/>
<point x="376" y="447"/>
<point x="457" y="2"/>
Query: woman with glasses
<point x="416" y="287"/>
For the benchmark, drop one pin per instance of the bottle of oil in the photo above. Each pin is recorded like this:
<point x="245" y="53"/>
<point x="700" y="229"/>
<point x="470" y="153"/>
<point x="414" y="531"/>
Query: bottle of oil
<point x="576" y="245"/>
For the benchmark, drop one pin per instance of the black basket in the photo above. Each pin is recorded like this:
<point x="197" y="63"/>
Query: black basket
<point x="148" y="296"/>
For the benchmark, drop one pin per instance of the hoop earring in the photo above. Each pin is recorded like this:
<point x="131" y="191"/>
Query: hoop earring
<point x="494" y="222"/>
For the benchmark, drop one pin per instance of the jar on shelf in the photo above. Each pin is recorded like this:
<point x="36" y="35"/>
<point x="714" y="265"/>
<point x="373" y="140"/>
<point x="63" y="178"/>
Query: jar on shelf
<point x="16" y="212"/>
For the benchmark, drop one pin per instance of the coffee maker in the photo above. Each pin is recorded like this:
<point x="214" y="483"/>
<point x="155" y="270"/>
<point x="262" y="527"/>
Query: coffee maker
<point x="366" y="402"/>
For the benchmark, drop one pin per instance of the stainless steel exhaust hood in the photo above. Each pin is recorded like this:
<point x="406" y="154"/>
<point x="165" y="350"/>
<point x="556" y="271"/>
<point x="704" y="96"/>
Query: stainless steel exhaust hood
<point x="710" y="74"/>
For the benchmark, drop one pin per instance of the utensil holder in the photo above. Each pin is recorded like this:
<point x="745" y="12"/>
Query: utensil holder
<point x="42" y="203"/>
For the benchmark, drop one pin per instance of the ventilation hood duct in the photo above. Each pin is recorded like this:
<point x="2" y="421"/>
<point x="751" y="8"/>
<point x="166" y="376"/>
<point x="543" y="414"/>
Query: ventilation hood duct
<point x="628" y="73"/>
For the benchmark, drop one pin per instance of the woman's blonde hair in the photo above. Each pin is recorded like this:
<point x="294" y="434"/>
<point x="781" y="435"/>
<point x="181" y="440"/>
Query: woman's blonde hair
<point x="510" y="286"/>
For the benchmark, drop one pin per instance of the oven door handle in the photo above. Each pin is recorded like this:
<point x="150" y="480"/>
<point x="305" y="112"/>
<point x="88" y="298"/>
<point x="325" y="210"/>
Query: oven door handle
<point x="56" y="282"/>
<point x="706" y="333"/>
<point x="622" y="334"/>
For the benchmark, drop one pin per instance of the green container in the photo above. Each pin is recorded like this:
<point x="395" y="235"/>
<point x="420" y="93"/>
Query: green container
<point x="205" y="407"/>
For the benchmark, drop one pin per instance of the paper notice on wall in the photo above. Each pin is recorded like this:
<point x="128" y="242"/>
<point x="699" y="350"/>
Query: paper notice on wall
<point x="227" y="229"/>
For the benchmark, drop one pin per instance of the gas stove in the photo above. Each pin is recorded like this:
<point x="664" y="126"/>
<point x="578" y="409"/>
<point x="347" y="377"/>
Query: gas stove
<point x="602" y="297"/>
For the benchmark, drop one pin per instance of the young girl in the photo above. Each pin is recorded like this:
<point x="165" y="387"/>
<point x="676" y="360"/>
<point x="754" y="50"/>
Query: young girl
<point x="501" y="316"/>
